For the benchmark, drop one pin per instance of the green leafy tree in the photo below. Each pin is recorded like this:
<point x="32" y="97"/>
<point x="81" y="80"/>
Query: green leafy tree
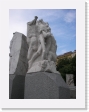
<point x="67" y="66"/>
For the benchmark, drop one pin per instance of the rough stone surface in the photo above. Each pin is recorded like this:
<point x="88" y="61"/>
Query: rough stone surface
<point x="16" y="86"/>
<point x="69" y="79"/>
<point x="18" y="54"/>
<point x="43" y="85"/>
<point x="11" y="77"/>
<point x="73" y="94"/>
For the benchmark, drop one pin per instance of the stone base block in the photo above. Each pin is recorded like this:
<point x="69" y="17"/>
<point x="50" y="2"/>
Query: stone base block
<point x="72" y="92"/>
<point x="11" y="77"/>
<point x="16" y="86"/>
<point x="43" y="85"/>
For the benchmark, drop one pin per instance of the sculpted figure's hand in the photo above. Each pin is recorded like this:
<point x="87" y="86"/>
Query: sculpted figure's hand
<point x="45" y="34"/>
<point x="48" y="34"/>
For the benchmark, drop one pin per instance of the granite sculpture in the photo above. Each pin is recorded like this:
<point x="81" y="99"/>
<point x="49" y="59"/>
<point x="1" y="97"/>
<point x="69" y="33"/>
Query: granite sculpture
<point x="33" y="73"/>
<point x="42" y="47"/>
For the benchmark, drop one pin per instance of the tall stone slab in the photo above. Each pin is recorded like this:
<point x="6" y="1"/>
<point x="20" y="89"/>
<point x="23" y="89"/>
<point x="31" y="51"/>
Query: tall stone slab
<point x="17" y="65"/>
<point x="11" y="78"/>
<point x="44" y="85"/>
<point x="18" y="54"/>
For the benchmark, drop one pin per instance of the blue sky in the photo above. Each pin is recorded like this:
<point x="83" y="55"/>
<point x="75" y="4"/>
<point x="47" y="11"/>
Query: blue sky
<point x="61" y="21"/>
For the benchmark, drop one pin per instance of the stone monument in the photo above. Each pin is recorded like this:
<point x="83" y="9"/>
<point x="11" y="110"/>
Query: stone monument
<point x="42" y="47"/>
<point x="70" y="83"/>
<point x="42" y="80"/>
<point x="18" y="64"/>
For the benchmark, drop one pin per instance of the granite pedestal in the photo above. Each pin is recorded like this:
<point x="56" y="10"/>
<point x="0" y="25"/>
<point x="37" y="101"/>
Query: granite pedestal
<point x="72" y="92"/>
<point x="16" y="86"/>
<point x="43" y="85"/>
<point x="11" y="78"/>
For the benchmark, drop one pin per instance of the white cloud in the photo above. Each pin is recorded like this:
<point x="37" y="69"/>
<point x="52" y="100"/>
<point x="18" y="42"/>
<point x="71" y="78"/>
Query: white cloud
<point x="70" y="16"/>
<point x="62" y="46"/>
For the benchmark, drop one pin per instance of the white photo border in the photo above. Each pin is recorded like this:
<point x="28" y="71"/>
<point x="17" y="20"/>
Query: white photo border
<point x="79" y="5"/>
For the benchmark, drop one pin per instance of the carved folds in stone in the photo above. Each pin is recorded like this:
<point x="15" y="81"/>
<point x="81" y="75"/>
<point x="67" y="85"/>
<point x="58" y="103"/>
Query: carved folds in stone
<point x="42" y="48"/>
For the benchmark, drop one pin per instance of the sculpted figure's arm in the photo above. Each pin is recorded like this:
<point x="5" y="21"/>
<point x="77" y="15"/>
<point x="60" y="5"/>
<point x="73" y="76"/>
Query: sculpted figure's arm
<point x="43" y="37"/>
<point x="33" y="45"/>
<point x="35" y="55"/>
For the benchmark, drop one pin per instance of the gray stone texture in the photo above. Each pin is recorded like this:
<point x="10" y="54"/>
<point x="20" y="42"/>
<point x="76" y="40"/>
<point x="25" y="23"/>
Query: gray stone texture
<point x="43" y="85"/>
<point x="70" y="83"/>
<point x="42" y="47"/>
<point x="73" y="94"/>
<point x="11" y="77"/>
<point x="70" y="79"/>
<point x="33" y="29"/>
<point x="16" y="86"/>
<point x="18" y="54"/>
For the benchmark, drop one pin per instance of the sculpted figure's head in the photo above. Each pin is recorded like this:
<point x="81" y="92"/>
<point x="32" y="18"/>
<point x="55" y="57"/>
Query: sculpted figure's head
<point x="36" y="17"/>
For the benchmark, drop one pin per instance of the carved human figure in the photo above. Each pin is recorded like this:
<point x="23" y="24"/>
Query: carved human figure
<point x="33" y="43"/>
<point x="45" y="33"/>
<point x="42" y="48"/>
<point x="34" y="49"/>
<point x="42" y="37"/>
<point x="33" y="22"/>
